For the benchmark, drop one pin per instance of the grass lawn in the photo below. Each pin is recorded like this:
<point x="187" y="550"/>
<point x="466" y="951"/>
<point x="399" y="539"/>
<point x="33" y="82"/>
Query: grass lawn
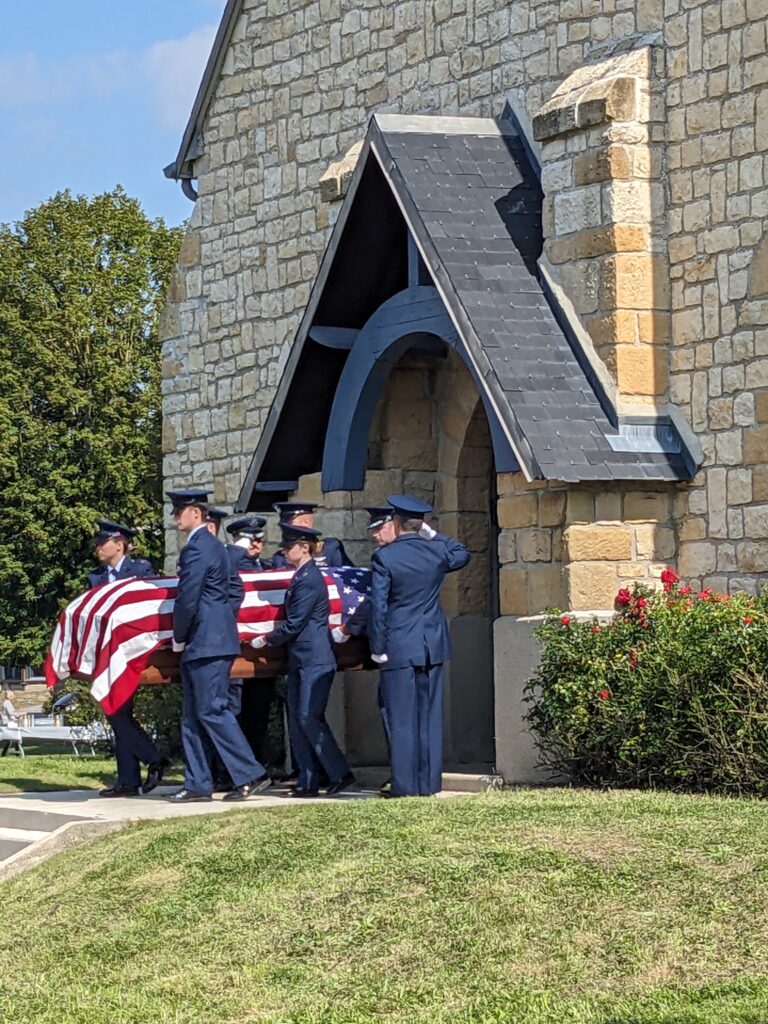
<point x="538" y="907"/>
<point x="40" y="772"/>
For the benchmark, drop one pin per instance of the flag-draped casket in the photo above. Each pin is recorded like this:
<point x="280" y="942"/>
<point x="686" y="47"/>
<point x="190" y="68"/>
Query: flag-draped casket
<point x="119" y="635"/>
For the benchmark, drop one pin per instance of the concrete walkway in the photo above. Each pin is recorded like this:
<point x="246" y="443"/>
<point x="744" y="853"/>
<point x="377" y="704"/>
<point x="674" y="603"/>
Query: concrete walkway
<point x="33" y="826"/>
<point x="86" y="803"/>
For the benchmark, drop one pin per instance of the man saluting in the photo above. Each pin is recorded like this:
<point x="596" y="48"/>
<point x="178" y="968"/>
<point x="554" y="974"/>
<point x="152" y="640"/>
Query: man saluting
<point x="205" y="633"/>
<point x="409" y="641"/>
<point x="132" y="744"/>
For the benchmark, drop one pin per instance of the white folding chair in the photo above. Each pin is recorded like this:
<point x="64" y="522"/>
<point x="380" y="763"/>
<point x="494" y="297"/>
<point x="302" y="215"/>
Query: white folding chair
<point x="11" y="735"/>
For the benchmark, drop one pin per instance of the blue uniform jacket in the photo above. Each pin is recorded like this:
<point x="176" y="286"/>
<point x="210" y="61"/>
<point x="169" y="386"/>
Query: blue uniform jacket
<point x="241" y="561"/>
<point x="305" y="626"/>
<point x="407" y="622"/>
<point x="132" y="568"/>
<point x="206" y="600"/>
<point x="331" y="557"/>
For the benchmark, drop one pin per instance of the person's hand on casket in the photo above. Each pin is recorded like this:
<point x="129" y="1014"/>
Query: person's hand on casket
<point x="177" y="647"/>
<point x="339" y="635"/>
<point x="258" y="642"/>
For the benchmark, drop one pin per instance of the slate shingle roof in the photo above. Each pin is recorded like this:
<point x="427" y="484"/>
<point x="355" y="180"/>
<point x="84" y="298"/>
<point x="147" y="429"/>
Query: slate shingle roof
<point x="471" y="199"/>
<point x="474" y="205"/>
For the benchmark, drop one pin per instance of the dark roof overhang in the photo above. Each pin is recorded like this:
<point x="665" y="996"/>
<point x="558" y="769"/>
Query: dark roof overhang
<point x="191" y="143"/>
<point x="470" y="202"/>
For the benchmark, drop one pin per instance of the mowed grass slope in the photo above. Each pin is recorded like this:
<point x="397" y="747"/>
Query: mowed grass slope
<point x="45" y="772"/>
<point x="542" y="907"/>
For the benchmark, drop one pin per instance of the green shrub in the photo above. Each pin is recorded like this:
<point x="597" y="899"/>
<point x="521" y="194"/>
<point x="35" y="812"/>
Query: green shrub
<point x="671" y="692"/>
<point x="158" y="708"/>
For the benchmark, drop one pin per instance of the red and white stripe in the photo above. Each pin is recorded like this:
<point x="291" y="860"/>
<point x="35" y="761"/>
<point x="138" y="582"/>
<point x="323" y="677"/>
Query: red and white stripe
<point x="107" y="634"/>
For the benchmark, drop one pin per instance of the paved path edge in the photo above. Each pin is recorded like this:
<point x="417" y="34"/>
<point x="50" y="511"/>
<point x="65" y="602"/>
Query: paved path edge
<point x="65" y="836"/>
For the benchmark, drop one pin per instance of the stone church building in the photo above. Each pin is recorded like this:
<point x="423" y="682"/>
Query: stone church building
<point x="511" y="257"/>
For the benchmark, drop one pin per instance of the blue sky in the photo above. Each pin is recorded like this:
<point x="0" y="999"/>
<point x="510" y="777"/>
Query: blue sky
<point x="97" y="92"/>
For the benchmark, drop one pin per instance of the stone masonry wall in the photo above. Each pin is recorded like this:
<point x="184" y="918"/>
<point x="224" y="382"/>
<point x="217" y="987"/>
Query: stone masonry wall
<point x="573" y="547"/>
<point x="297" y="88"/>
<point x="717" y="159"/>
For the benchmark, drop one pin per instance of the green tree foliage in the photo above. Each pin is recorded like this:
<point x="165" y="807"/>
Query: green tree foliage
<point x="82" y="282"/>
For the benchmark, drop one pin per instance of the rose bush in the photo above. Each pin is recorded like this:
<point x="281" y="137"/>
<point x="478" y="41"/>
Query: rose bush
<point x="671" y="692"/>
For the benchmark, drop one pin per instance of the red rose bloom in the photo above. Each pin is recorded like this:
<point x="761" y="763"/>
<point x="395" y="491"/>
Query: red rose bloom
<point x="623" y="597"/>
<point x="685" y="590"/>
<point x="565" y="619"/>
<point x="747" y="619"/>
<point x="641" y="602"/>
<point x="604" y="694"/>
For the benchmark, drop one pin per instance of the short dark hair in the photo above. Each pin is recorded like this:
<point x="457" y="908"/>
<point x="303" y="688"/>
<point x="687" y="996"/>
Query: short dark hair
<point x="409" y="524"/>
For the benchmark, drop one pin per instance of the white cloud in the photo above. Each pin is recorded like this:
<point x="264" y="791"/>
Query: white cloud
<point x="27" y="82"/>
<point x="169" y="70"/>
<point x="174" y="69"/>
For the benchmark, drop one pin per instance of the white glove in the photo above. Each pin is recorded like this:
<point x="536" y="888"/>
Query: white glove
<point x="426" y="531"/>
<point x="380" y="659"/>
<point x="259" y="641"/>
<point x="339" y="636"/>
<point x="177" y="647"/>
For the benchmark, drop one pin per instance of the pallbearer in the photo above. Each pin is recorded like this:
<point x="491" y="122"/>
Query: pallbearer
<point x="205" y="634"/>
<point x="382" y="530"/>
<point x="311" y="666"/>
<point x="409" y="640"/>
<point x="132" y="744"/>
<point x="113" y="542"/>
<point x="247" y="544"/>
<point x="251" y="704"/>
<point x="214" y="518"/>
<point x="330" y="551"/>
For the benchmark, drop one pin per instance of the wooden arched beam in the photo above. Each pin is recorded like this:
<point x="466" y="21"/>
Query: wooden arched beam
<point x="395" y="327"/>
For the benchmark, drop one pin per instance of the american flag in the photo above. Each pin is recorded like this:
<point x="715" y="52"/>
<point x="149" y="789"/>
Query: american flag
<point x="107" y="634"/>
<point x="354" y="587"/>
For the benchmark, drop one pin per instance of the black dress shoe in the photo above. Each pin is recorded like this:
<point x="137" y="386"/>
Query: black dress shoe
<point x="188" y="796"/>
<point x="387" y="794"/>
<point x="120" y="791"/>
<point x="341" y="784"/>
<point x="298" y="793"/>
<point x="250" y="789"/>
<point x="155" y="773"/>
<point x="386" y="787"/>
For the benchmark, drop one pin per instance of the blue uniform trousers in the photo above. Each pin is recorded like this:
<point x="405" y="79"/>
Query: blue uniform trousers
<point x="207" y="725"/>
<point x="413" y="698"/>
<point x="312" y="741"/>
<point x="384" y="716"/>
<point x="221" y="779"/>
<point x="132" y="746"/>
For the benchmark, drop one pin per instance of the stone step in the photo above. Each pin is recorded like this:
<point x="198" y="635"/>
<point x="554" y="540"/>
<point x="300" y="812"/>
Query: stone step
<point x="9" y="847"/>
<point x="42" y="821"/>
<point x="23" y="835"/>
<point x="460" y="779"/>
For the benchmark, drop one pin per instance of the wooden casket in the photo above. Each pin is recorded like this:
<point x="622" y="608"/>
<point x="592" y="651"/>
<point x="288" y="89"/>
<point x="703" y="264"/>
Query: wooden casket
<point x="163" y="665"/>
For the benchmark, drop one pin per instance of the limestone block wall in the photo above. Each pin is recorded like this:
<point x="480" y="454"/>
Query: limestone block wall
<point x="298" y="85"/>
<point x="672" y="154"/>
<point x="717" y="214"/>
<point x="602" y="136"/>
<point x="573" y="547"/>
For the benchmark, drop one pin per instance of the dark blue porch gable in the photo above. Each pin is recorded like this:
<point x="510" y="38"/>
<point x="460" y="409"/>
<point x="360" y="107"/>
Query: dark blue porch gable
<point x="396" y="327"/>
<point x="437" y="244"/>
